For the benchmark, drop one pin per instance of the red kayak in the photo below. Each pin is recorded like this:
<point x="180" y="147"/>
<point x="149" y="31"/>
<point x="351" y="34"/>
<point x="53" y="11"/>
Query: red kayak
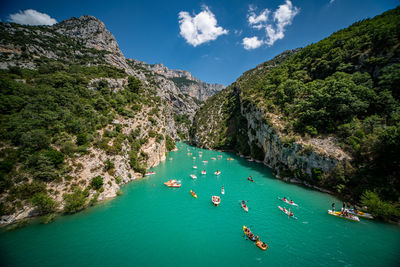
<point x="244" y="206"/>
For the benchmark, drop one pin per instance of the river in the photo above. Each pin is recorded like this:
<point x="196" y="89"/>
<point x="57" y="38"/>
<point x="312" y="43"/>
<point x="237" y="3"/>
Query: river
<point x="153" y="225"/>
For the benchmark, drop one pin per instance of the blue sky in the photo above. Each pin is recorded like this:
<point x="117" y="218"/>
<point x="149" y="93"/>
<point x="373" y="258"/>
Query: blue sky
<point x="232" y="36"/>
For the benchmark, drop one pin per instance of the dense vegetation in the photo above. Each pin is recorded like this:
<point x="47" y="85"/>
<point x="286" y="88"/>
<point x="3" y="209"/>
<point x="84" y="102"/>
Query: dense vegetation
<point x="54" y="114"/>
<point x="346" y="85"/>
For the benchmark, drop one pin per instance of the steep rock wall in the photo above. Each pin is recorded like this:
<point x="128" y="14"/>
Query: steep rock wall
<point x="279" y="155"/>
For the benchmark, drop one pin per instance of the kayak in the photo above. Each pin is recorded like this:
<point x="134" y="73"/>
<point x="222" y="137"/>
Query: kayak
<point x="193" y="193"/>
<point x="150" y="173"/>
<point x="244" y="206"/>
<point x="288" y="202"/>
<point x="223" y="190"/>
<point x="193" y="176"/>
<point x="205" y="161"/>
<point x="216" y="200"/>
<point x="361" y="214"/>
<point x="230" y="159"/>
<point x="213" y="158"/>
<point x="217" y="173"/>
<point x="194" y="167"/>
<point x="286" y="212"/>
<point x="261" y="245"/>
<point x="172" y="183"/>
<point x="251" y="180"/>
<point x="203" y="172"/>
<point x="338" y="214"/>
<point x="194" y="157"/>
<point x="249" y="234"/>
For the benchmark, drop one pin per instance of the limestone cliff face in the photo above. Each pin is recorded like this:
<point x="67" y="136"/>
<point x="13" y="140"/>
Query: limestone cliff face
<point x="228" y="122"/>
<point x="184" y="80"/>
<point x="282" y="156"/>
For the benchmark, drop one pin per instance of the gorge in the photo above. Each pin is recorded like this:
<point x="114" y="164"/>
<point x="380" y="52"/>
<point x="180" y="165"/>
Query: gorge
<point x="79" y="119"/>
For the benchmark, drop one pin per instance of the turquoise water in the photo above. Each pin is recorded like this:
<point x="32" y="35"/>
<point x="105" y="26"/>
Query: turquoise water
<point x="152" y="225"/>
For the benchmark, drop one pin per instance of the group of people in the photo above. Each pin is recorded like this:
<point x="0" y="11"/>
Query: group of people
<point x="287" y="211"/>
<point x="286" y="200"/>
<point x="250" y="235"/>
<point x="345" y="209"/>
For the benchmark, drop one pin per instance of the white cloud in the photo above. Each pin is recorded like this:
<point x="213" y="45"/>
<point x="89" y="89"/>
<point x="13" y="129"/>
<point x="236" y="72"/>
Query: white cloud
<point x="32" y="17"/>
<point x="251" y="43"/>
<point x="274" y="27"/>
<point x="257" y="22"/>
<point x="201" y="28"/>
<point x="283" y="17"/>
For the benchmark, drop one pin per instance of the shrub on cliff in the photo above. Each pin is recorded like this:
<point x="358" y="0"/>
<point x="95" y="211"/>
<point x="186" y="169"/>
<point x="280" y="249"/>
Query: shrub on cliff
<point x="97" y="182"/>
<point x="44" y="203"/>
<point x="169" y="143"/>
<point x="378" y="207"/>
<point x="134" y="84"/>
<point x="76" y="201"/>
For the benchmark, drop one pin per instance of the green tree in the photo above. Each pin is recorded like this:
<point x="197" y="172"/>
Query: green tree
<point x="134" y="84"/>
<point x="76" y="201"/>
<point x="97" y="182"/>
<point x="44" y="203"/>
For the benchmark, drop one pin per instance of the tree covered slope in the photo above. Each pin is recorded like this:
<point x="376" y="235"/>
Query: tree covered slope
<point x="345" y="89"/>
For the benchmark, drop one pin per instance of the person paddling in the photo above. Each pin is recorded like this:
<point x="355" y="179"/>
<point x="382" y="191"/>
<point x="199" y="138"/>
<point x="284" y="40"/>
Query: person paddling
<point x="333" y="207"/>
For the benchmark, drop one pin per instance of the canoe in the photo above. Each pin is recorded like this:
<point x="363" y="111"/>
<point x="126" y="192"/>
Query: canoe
<point x="249" y="234"/>
<point x="193" y="193"/>
<point x="338" y="214"/>
<point x="172" y="183"/>
<point x="244" y="206"/>
<point x="361" y="214"/>
<point x="193" y="176"/>
<point x="288" y="202"/>
<point x="261" y="245"/>
<point x="286" y="212"/>
<point x="216" y="200"/>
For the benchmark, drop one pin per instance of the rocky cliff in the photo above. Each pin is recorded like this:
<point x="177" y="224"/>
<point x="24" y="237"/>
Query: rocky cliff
<point x="106" y="118"/>
<point x="184" y="80"/>
<point x="228" y="122"/>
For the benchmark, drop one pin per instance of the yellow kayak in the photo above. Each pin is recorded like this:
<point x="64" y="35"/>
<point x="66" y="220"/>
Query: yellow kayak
<point x="193" y="193"/>
<point x="349" y="217"/>
<point x="249" y="234"/>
